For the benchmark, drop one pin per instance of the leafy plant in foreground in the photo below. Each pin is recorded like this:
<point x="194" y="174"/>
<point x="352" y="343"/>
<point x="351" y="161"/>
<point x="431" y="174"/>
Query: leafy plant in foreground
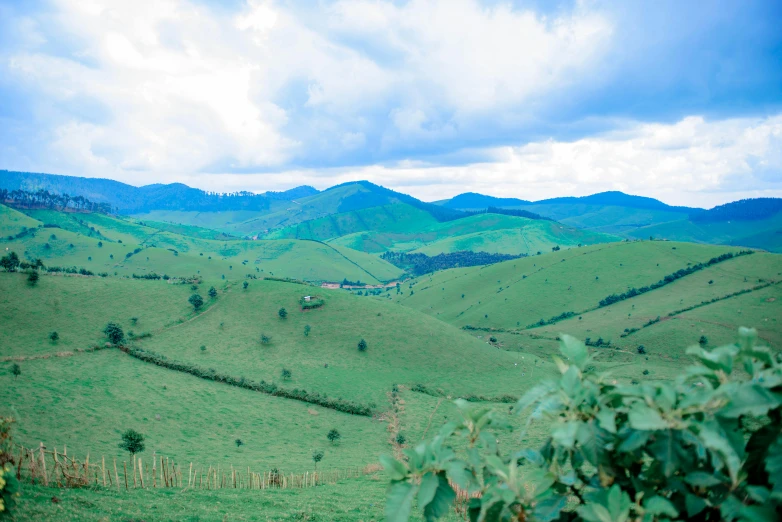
<point x="707" y="446"/>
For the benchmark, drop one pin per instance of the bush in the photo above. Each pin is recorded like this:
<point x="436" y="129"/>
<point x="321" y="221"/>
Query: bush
<point x="114" y="333"/>
<point x="132" y="442"/>
<point x="362" y="346"/>
<point x="704" y="447"/>
<point x="245" y="285"/>
<point x="703" y="341"/>
<point x="32" y="277"/>
<point x="334" y="436"/>
<point x="642" y="350"/>
<point x="286" y="374"/>
<point x="197" y="301"/>
<point x="54" y="337"/>
<point x="283" y="313"/>
<point x="266" y="339"/>
<point x="16" y="370"/>
<point x="239" y="443"/>
<point x="212" y="292"/>
<point x="307" y="329"/>
<point x="317" y="456"/>
<point x="400" y="439"/>
<point x="9" y="485"/>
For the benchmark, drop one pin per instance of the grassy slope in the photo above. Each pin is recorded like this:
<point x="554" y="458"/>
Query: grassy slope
<point x="405" y="347"/>
<point x="212" y="259"/>
<point x="605" y="218"/>
<point x="765" y="234"/>
<point x="12" y="221"/>
<point x="398" y="217"/>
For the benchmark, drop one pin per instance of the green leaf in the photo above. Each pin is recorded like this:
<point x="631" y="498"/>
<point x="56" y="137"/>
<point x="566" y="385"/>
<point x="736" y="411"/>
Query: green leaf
<point x="442" y="500"/>
<point x="750" y="399"/>
<point x="611" y="505"/>
<point x="607" y="419"/>
<point x="564" y="433"/>
<point x="549" y="508"/>
<point x="534" y="395"/>
<point x="718" y="359"/>
<point x="713" y="437"/>
<point x="573" y="349"/>
<point x="633" y="440"/>
<point x="644" y="418"/>
<point x="667" y="452"/>
<point x="427" y="488"/>
<point x="399" y="501"/>
<point x="658" y="505"/>
<point x="395" y="469"/>
<point x="694" y="505"/>
<point x="458" y="472"/>
<point x="701" y="479"/>
<point x="774" y="465"/>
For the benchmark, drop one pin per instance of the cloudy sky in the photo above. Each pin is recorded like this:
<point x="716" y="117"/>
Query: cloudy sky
<point x="679" y="100"/>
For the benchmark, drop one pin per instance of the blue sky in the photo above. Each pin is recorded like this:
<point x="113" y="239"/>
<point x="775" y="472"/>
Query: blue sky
<point x="676" y="100"/>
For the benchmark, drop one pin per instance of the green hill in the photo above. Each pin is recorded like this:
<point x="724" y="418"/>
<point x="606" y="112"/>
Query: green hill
<point x="106" y="244"/>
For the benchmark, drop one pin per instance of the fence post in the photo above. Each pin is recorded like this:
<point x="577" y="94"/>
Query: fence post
<point x="43" y="465"/>
<point x="125" y="467"/>
<point x="103" y="469"/>
<point x="116" y="475"/>
<point x="141" y="472"/>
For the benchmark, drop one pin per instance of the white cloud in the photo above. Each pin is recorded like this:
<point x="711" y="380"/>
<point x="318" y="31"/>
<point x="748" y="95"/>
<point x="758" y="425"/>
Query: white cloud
<point x="692" y="162"/>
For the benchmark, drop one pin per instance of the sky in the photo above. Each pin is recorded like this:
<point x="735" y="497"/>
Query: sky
<point x="678" y="100"/>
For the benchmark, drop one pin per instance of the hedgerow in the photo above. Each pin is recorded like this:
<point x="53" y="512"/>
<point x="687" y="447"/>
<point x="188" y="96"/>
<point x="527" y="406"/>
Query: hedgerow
<point x="262" y="386"/>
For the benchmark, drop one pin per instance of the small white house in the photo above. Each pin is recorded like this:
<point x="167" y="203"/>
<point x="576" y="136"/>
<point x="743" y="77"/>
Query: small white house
<point x="307" y="297"/>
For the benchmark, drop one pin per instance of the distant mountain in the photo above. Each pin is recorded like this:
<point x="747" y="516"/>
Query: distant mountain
<point x="744" y="210"/>
<point x="474" y="201"/>
<point x="128" y="199"/>
<point x="295" y="193"/>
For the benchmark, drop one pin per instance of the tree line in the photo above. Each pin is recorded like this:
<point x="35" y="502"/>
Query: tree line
<point x="419" y="264"/>
<point x="44" y="199"/>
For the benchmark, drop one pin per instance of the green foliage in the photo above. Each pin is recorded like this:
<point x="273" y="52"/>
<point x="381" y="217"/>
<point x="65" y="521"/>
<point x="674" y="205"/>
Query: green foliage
<point x="16" y="370"/>
<point x="197" y="301"/>
<point x="9" y="486"/>
<point x="400" y="439"/>
<point x="10" y="262"/>
<point x="32" y="277"/>
<point x="704" y="447"/>
<point x="334" y="436"/>
<point x="362" y="346"/>
<point x="54" y="337"/>
<point x="266" y="339"/>
<point x="239" y="443"/>
<point x="307" y="329"/>
<point x="212" y="292"/>
<point x="114" y="333"/>
<point x="286" y="374"/>
<point x="283" y="313"/>
<point x="703" y="341"/>
<point x="132" y="442"/>
<point x="245" y="284"/>
<point x="317" y="456"/>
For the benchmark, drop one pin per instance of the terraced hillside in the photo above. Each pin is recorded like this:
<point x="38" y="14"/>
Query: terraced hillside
<point x="106" y="244"/>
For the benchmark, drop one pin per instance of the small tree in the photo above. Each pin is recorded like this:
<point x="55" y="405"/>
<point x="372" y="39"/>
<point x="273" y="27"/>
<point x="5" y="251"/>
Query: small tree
<point x="400" y="439"/>
<point x="134" y="320"/>
<point x="32" y="277"/>
<point x="10" y="262"/>
<point x="114" y="333"/>
<point x="203" y="348"/>
<point x="307" y="330"/>
<point x="54" y="337"/>
<point x="286" y="374"/>
<point x="266" y="339"/>
<point x="16" y="370"/>
<point x="641" y="350"/>
<point x="197" y="301"/>
<point x="703" y="341"/>
<point x="334" y="436"/>
<point x="245" y="285"/>
<point x="132" y="442"/>
<point x="362" y="346"/>
<point x="239" y="443"/>
<point x="212" y="292"/>
<point x="283" y="313"/>
<point x="317" y="456"/>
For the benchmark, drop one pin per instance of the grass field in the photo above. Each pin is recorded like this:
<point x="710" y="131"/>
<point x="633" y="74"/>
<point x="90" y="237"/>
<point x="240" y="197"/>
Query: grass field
<point x="78" y="392"/>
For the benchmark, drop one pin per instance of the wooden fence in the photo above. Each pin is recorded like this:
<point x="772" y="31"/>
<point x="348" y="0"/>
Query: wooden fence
<point x="58" y="469"/>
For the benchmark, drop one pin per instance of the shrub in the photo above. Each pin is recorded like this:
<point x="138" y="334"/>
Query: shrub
<point x="703" y="341"/>
<point x="10" y="262"/>
<point x="362" y="346"/>
<point x="283" y="313"/>
<point x="334" y="436"/>
<point x="134" y="320"/>
<point x="114" y="333"/>
<point x="286" y="374"/>
<point x="646" y="372"/>
<point x="400" y="439"/>
<point x="239" y="443"/>
<point x="212" y="292"/>
<point x="492" y="339"/>
<point x="16" y="370"/>
<point x="245" y="285"/>
<point x="307" y="329"/>
<point x="32" y="277"/>
<point x="317" y="456"/>
<point x="197" y="301"/>
<point x="642" y="350"/>
<point x="132" y="442"/>
<point x="266" y="339"/>
<point x="54" y="337"/>
<point x="703" y="447"/>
